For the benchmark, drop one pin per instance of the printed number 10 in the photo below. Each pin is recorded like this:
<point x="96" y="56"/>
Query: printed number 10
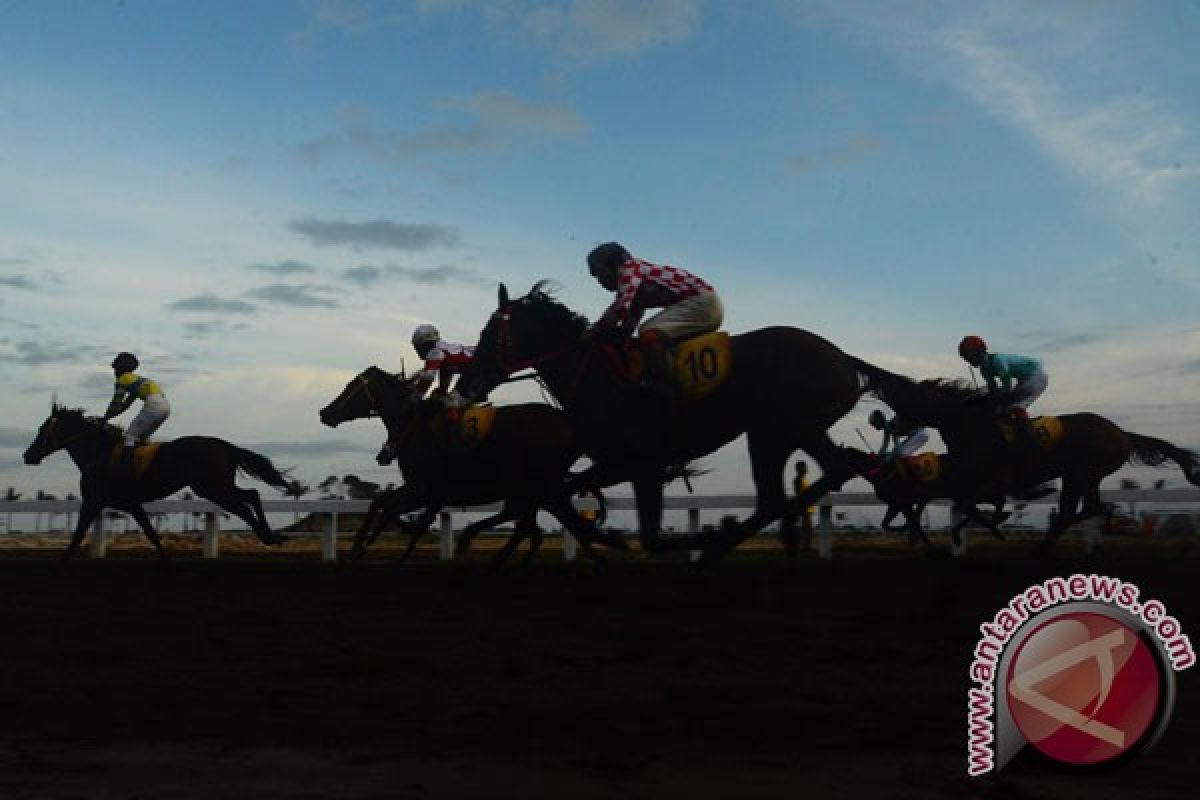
<point x="702" y="363"/>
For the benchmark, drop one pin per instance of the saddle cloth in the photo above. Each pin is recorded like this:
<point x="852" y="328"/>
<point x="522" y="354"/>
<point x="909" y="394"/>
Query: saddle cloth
<point x="143" y="454"/>
<point x="1046" y="430"/>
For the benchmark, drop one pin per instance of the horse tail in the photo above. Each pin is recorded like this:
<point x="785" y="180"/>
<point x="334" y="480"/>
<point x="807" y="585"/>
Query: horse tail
<point x="258" y="466"/>
<point x="1155" y="452"/>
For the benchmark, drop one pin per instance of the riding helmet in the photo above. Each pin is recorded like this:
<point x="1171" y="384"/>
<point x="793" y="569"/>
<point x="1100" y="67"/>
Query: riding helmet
<point x="425" y="334"/>
<point x="609" y="255"/>
<point x="971" y="345"/>
<point x="124" y="362"/>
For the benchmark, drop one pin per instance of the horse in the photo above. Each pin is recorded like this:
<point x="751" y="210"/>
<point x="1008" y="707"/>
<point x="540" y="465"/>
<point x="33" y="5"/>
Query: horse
<point x="205" y="464"/>
<point x="522" y="461"/>
<point x="786" y="388"/>
<point x="1091" y="446"/>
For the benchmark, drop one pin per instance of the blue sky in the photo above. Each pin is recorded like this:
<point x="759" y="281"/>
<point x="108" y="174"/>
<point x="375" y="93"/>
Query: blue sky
<point x="261" y="199"/>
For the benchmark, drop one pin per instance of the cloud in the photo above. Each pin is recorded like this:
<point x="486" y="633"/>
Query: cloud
<point x="17" y="281"/>
<point x="588" y="29"/>
<point x="379" y="233"/>
<point x="366" y="276"/>
<point x="1044" y="342"/>
<point x="37" y="353"/>
<point x="288" y="267"/>
<point x="209" y="302"/>
<point x="203" y="330"/>
<point x="292" y="295"/>
<point x="854" y="149"/>
<point x="494" y="119"/>
<point x="15" y="262"/>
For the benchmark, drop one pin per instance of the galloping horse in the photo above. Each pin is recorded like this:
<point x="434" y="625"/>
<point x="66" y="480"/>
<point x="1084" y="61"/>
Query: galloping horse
<point x="205" y="464"/>
<point x="1091" y="447"/>
<point x="786" y="388"/>
<point x="524" y="461"/>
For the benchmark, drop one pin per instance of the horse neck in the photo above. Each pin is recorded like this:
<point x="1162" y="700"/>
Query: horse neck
<point x="579" y="379"/>
<point x="89" y="447"/>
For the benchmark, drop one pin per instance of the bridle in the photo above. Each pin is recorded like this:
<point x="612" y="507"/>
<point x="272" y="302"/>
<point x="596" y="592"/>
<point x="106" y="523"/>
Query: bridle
<point x="361" y="384"/>
<point x="52" y="427"/>
<point x="504" y="345"/>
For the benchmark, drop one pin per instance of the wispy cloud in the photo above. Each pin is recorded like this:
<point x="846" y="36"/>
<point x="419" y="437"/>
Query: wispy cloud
<point x="208" y="302"/>
<point x="17" y="281"/>
<point x="854" y="149"/>
<point x="38" y="353"/>
<point x="289" y="267"/>
<point x="484" y="121"/>
<point x="589" y="29"/>
<point x="301" y="296"/>
<point x="379" y="233"/>
<point x="15" y="262"/>
<point x="366" y="276"/>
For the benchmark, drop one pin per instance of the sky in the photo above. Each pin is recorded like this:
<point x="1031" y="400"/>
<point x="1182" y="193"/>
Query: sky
<point x="262" y="199"/>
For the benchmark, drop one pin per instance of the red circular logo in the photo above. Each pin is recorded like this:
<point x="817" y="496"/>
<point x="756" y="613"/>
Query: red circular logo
<point x="1084" y="688"/>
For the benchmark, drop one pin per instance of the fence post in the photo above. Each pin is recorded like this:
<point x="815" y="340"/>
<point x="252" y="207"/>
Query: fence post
<point x="569" y="545"/>
<point x="99" y="543"/>
<point x="210" y="544"/>
<point x="329" y="538"/>
<point x="825" y="532"/>
<point x="446" y="536"/>
<point x="693" y="527"/>
<point x="958" y="550"/>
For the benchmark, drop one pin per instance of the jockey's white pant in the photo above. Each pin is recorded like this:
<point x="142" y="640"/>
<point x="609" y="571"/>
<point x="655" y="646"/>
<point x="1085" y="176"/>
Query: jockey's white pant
<point x="1030" y="389"/>
<point x="154" y="413"/>
<point x="701" y="313"/>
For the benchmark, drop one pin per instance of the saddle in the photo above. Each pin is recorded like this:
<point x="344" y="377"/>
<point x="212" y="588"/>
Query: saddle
<point x="464" y="429"/>
<point x="1047" y="432"/>
<point x="143" y="454"/>
<point x="922" y="468"/>
<point x="697" y="365"/>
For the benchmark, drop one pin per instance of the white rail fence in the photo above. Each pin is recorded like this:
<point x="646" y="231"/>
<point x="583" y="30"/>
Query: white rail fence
<point x="824" y="528"/>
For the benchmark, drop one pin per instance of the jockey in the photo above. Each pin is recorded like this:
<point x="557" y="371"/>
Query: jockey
<point x="898" y="441"/>
<point x="130" y="387"/>
<point x="690" y="305"/>
<point x="1021" y="375"/>
<point x="443" y="361"/>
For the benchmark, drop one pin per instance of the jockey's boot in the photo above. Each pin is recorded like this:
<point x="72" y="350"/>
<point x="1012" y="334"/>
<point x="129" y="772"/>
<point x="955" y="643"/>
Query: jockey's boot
<point x="657" y="379"/>
<point x="1026" y="436"/>
<point x="125" y="467"/>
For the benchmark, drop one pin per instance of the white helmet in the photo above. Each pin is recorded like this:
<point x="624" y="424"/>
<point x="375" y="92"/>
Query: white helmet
<point x="425" y="334"/>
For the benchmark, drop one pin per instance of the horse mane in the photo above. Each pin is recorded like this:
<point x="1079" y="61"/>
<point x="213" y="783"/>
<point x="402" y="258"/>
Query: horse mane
<point x="542" y="303"/>
<point x="79" y="414"/>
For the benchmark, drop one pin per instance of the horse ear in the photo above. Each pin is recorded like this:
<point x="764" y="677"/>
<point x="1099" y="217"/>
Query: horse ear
<point x="502" y="295"/>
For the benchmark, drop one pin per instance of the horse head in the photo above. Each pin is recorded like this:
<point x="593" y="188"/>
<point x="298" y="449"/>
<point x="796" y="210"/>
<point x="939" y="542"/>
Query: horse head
<point x="63" y="427"/>
<point x="371" y="393"/>
<point x="522" y="333"/>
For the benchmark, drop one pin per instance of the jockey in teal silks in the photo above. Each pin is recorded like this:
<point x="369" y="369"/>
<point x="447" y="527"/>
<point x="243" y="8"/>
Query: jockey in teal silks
<point x="1023" y="376"/>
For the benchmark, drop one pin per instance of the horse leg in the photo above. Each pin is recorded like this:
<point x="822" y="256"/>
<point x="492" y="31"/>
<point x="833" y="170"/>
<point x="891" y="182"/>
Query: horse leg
<point x="1068" y="502"/>
<point x="263" y="528"/>
<point x="88" y="511"/>
<point x="536" y="537"/>
<point x="463" y="546"/>
<point x="767" y="460"/>
<point x="584" y="532"/>
<point x="648" y="492"/>
<point x="526" y="519"/>
<point x="238" y="506"/>
<point x="143" y="520"/>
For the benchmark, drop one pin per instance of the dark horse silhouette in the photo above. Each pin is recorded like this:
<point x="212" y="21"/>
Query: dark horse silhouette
<point x="786" y="387"/>
<point x="206" y="464"/>
<point x="524" y="461"/>
<point x="1091" y="448"/>
<point x="907" y="495"/>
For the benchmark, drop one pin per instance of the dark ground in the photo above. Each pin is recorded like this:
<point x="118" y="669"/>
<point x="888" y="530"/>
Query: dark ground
<point x="281" y="677"/>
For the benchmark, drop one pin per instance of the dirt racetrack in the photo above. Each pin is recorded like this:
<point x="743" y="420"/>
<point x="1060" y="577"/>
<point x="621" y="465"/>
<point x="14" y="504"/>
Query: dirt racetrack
<point x="283" y="677"/>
